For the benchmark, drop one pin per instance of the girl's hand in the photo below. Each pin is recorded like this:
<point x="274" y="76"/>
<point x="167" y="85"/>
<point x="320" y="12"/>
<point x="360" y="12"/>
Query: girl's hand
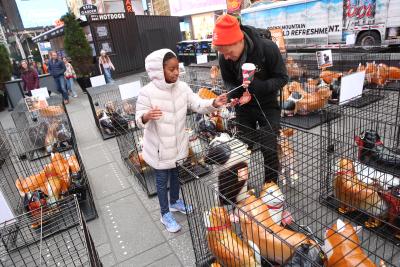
<point x="152" y="115"/>
<point x="220" y="101"/>
<point x="234" y="102"/>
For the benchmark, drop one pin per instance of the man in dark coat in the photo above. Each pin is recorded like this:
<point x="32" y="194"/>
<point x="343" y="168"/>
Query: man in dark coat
<point x="57" y="69"/>
<point x="238" y="44"/>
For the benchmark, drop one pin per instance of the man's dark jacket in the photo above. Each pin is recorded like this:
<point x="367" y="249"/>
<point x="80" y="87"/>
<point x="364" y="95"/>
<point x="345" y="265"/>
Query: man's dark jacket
<point x="56" y="68"/>
<point x="271" y="74"/>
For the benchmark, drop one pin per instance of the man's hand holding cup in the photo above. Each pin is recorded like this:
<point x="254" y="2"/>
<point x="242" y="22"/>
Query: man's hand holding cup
<point x="248" y="71"/>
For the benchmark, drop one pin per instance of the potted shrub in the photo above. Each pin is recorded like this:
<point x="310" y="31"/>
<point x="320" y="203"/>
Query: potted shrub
<point x="78" y="49"/>
<point x="5" y="73"/>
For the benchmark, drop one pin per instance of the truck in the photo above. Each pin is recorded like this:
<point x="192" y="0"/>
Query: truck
<point x="329" y="23"/>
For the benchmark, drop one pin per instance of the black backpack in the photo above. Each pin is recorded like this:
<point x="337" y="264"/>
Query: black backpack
<point x="264" y="33"/>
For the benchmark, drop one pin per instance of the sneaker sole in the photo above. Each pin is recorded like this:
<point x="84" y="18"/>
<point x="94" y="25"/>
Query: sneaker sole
<point x="176" y="210"/>
<point x="169" y="230"/>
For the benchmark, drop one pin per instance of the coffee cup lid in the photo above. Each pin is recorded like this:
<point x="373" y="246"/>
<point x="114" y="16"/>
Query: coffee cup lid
<point x="248" y="66"/>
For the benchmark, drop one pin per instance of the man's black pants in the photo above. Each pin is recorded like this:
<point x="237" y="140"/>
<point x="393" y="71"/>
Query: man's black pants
<point x="247" y="119"/>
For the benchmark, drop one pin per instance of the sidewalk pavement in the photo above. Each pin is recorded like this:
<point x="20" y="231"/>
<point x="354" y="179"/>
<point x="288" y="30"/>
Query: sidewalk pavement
<point x="128" y="231"/>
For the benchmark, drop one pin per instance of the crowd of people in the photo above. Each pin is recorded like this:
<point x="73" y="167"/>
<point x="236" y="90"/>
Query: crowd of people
<point x="62" y="71"/>
<point x="60" y="68"/>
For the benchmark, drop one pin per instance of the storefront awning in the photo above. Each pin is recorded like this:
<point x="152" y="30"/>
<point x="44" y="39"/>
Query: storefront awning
<point x="46" y="36"/>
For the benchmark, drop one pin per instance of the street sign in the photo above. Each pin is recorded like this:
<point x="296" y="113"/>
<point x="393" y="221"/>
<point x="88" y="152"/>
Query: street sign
<point x="108" y="16"/>
<point x="88" y="10"/>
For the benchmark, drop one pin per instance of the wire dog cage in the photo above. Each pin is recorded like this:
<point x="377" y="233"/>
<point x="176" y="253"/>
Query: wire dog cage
<point x="49" y="179"/>
<point x="110" y="112"/>
<point x="48" y="126"/>
<point x="362" y="174"/>
<point x="312" y="87"/>
<point x="62" y="240"/>
<point x="130" y="147"/>
<point x="241" y="218"/>
<point x="382" y="71"/>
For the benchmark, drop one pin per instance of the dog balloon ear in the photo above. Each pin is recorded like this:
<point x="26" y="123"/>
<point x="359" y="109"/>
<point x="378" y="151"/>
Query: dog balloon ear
<point x="340" y="225"/>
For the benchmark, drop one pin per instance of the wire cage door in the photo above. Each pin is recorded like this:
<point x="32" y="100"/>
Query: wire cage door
<point x="249" y="210"/>
<point x="61" y="240"/>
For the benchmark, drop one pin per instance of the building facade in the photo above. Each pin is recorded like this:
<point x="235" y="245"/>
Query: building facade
<point x="106" y="6"/>
<point x="161" y="7"/>
<point x="10" y="14"/>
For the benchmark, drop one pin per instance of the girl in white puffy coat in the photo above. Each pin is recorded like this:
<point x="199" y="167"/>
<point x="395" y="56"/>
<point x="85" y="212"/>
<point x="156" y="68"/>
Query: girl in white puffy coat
<point x="161" y="110"/>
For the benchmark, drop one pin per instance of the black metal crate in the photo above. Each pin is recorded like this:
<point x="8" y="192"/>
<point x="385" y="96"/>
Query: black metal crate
<point x="362" y="174"/>
<point x="130" y="147"/>
<point x="221" y="195"/>
<point x="62" y="238"/>
<point x="48" y="128"/>
<point x="22" y="116"/>
<point x="109" y="110"/>
<point x="311" y="88"/>
<point x="208" y="76"/>
<point x="62" y="172"/>
<point x="382" y="71"/>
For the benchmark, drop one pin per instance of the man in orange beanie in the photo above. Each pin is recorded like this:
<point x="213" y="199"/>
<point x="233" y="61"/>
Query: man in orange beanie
<point x="238" y="44"/>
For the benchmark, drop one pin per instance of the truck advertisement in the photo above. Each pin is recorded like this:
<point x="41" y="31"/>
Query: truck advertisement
<point x="324" y="22"/>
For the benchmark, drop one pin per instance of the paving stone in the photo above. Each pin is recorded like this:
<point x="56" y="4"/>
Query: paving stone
<point x="151" y="203"/>
<point x="183" y="248"/>
<point x="97" y="231"/>
<point x="130" y="227"/>
<point x="107" y="180"/>
<point x="86" y="104"/>
<point x="87" y="137"/>
<point x="108" y="260"/>
<point x="112" y="144"/>
<point x="95" y="156"/>
<point x="114" y="197"/>
<point x="82" y="119"/>
<point x="170" y="261"/>
<point x="74" y="106"/>
<point x="124" y="169"/>
<point x="104" y="249"/>
<point x="168" y="235"/>
<point x="148" y="257"/>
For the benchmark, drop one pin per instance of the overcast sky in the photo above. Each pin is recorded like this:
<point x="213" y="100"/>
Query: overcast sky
<point x="41" y="12"/>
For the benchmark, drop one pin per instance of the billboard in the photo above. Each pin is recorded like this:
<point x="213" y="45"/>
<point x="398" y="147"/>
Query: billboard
<point x="300" y="20"/>
<point x="188" y="7"/>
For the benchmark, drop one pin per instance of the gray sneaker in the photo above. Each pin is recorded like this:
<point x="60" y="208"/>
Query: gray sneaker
<point x="180" y="207"/>
<point x="170" y="223"/>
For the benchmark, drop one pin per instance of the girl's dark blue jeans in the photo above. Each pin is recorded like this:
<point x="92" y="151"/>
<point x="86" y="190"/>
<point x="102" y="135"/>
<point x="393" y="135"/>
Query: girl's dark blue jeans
<point x="162" y="177"/>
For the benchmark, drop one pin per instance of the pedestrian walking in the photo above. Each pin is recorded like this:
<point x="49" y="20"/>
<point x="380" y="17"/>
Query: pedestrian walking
<point x="105" y="62"/>
<point x="45" y="66"/>
<point x="70" y="76"/>
<point x="39" y="68"/>
<point x="238" y="44"/>
<point x="161" y="111"/>
<point x="29" y="78"/>
<point x="57" y="70"/>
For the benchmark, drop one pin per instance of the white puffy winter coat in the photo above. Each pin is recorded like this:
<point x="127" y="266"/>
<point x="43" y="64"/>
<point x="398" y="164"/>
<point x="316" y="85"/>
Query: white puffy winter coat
<point x="165" y="140"/>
